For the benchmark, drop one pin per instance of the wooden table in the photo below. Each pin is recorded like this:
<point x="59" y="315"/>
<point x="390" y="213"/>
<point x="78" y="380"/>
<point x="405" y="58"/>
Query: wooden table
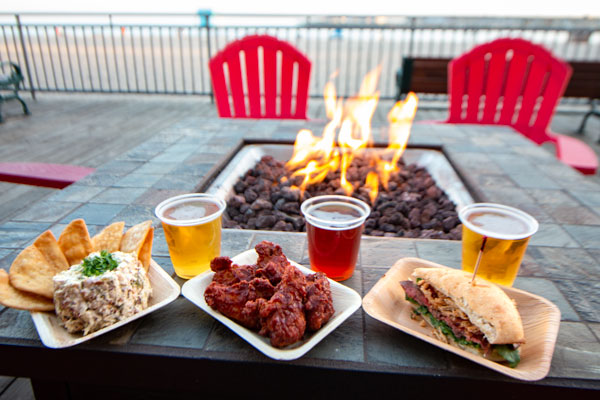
<point x="181" y="350"/>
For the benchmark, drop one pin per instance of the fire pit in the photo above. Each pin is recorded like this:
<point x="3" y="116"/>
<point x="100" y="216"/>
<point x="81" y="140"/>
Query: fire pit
<point x="421" y="199"/>
<point x="265" y="185"/>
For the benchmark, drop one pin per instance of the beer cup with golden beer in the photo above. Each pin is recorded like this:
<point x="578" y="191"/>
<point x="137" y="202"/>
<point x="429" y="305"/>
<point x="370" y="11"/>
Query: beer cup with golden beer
<point x="192" y="226"/>
<point x="501" y="233"/>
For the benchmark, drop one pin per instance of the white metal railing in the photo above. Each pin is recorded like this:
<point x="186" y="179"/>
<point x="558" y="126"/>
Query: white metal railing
<point x="169" y="53"/>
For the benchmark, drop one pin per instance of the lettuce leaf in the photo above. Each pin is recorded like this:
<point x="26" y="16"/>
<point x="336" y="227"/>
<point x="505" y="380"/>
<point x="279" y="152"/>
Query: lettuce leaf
<point x="509" y="353"/>
<point x="441" y="325"/>
<point x="506" y="351"/>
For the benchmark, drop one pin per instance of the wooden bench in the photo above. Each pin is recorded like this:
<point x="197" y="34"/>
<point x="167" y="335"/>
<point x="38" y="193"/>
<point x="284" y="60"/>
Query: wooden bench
<point x="10" y="80"/>
<point x="430" y="75"/>
<point x="422" y="75"/>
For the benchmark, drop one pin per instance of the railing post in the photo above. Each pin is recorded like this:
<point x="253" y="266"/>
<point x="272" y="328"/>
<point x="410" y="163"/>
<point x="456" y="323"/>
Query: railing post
<point x="210" y="55"/>
<point x="25" y="58"/>
<point x="412" y="37"/>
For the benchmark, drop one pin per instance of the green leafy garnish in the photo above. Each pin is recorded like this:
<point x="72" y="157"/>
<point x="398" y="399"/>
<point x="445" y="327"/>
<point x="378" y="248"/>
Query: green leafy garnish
<point x="441" y="325"/>
<point x="97" y="265"/>
<point x="506" y="351"/>
<point x="509" y="353"/>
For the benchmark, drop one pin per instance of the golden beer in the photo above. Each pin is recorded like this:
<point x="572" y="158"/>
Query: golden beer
<point x="507" y="230"/>
<point x="192" y="226"/>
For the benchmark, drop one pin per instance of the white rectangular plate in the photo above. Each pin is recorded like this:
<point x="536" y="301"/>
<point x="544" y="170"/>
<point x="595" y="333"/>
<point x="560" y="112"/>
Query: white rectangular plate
<point x="345" y="302"/>
<point x="52" y="334"/>
<point x="541" y="319"/>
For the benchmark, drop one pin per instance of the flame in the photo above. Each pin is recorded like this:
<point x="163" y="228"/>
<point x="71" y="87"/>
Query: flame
<point x="315" y="157"/>
<point x="372" y="182"/>
<point x="315" y="172"/>
<point x="400" y="117"/>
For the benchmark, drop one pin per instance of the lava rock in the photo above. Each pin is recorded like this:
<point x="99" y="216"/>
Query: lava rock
<point x="261" y="204"/>
<point x="265" y="221"/>
<point x="250" y="195"/>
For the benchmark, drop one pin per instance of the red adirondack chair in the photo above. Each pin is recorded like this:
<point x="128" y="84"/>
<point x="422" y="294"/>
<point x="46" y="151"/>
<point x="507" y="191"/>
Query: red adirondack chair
<point x="516" y="83"/>
<point x="261" y="77"/>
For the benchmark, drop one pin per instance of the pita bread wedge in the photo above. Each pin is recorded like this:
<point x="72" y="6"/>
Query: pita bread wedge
<point x="47" y="245"/>
<point x="32" y="273"/>
<point x="145" y="252"/>
<point x="13" y="298"/>
<point x="138" y="240"/>
<point x="110" y="237"/>
<point x="75" y="242"/>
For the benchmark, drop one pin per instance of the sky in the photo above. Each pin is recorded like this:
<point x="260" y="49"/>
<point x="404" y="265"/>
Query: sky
<point x="571" y="8"/>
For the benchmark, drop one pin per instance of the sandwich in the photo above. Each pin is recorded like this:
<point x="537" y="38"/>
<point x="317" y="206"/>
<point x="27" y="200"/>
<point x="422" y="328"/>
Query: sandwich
<point x="477" y="317"/>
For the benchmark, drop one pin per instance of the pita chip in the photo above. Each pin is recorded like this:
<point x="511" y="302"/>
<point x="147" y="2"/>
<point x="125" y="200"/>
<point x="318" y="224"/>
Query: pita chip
<point x="138" y="240"/>
<point x="75" y="242"/>
<point x="31" y="272"/>
<point x="110" y="237"/>
<point x="145" y="252"/>
<point x="47" y="245"/>
<point x="13" y="298"/>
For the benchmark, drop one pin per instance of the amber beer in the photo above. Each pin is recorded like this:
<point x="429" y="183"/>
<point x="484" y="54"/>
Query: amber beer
<point x="192" y="226"/>
<point x="507" y="230"/>
<point x="334" y="226"/>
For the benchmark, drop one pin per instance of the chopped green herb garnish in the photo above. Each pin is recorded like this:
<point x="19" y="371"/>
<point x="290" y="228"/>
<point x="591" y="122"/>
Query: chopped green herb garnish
<point x="97" y="265"/>
<point x="419" y="280"/>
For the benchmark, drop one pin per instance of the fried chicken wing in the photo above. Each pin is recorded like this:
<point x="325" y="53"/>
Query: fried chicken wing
<point x="228" y="273"/>
<point x="271" y="263"/>
<point x="272" y="296"/>
<point x="238" y="301"/>
<point x="319" y="304"/>
<point x="282" y="317"/>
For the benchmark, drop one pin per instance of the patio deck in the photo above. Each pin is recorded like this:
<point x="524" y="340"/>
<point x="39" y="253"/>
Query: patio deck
<point x="88" y="130"/>
<point x="91" y="129"/>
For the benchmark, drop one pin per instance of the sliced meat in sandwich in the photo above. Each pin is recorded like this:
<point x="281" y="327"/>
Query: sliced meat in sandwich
<point x="479" y="317"/>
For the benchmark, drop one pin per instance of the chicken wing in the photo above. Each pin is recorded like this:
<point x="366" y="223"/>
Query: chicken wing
<point x="238" y="301"/>
<point x="319" y="304"/>
<point x="228" y="273"/>
<point x="282" y="317"/>
<point x="271" y="263"/>
<point x="272" y="296"/>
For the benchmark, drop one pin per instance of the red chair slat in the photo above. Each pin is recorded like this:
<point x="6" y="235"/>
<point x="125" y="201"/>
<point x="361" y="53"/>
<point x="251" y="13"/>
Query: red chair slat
<point x="456" y="89"/>
<point x="551" y="97"/>
<point x="236" y="85"/>
<point x="287" y="75"/>
<point x="515" y="80"/>
<point x="302" y="95"/>
<point x="220" y="86"/>
<point x="253" y="81"/>
<point x="271" y="78"/>
<point x="496" y="68"/>
<point x="476" y="72"/>
<point x="538" y="73"/>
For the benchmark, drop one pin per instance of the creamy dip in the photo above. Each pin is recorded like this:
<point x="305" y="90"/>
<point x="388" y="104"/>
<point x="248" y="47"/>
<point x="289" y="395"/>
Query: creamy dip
<point x="89" y="303"/>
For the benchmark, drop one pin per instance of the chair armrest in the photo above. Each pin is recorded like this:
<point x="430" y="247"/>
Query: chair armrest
<point x="575" y="153"/>
<point x="11" y="77"/>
